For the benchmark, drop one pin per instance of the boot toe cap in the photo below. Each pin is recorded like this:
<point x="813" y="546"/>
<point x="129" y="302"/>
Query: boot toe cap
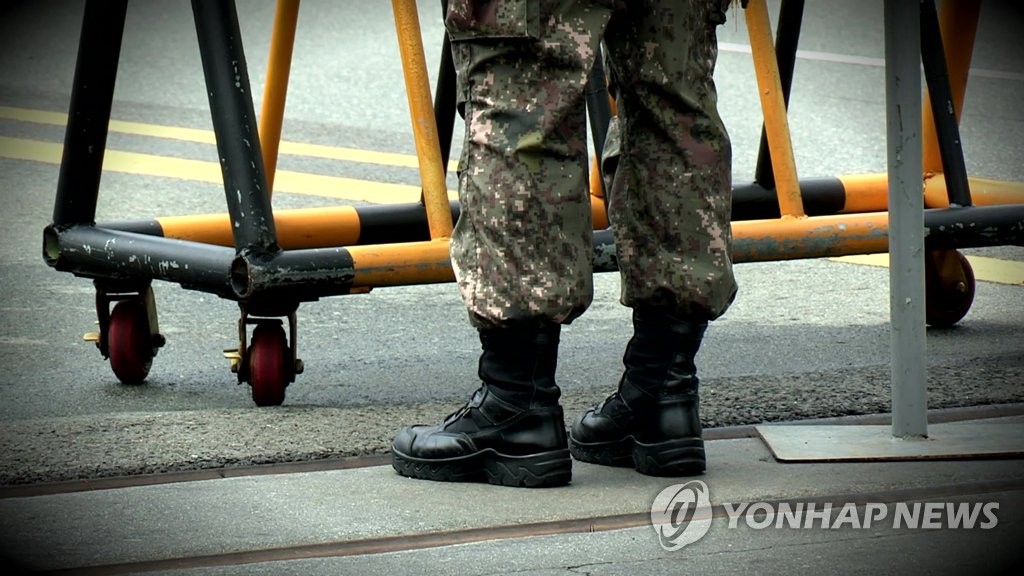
<point x="431" y="443"/>
<point x="592" y="427"/>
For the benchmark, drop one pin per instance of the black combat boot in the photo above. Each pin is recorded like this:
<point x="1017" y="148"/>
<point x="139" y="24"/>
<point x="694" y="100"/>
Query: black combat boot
<point x="652" y="422"/>
<point x="512" y="431"/>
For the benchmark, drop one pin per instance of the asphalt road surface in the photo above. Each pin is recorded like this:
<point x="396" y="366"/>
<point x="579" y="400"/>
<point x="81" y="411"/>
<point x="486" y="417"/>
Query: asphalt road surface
<point x="805" y="339"/>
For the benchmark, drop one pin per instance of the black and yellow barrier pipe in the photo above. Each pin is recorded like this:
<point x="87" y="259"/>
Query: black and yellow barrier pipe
<point x="398" y="223"/>
<point x="858" y="193"/>
<point x="309" y="274"/>
<point x="302" y="228"/>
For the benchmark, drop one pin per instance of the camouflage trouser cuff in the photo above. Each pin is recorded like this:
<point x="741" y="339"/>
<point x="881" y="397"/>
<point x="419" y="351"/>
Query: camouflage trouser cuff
<point x="532" y="324"/>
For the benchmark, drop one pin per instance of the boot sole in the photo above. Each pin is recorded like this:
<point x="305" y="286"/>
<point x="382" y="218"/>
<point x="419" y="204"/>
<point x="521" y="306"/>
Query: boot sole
<point x="672" y="458"/>
<point x="682" y="457"/>
<point x="533" y="471"/>
<point x="618" y="454"/>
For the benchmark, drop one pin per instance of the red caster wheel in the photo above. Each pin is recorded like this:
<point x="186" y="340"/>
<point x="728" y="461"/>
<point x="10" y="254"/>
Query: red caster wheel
<point x="129" y="343"/>
<point x="949" y="288"/>
<point x="269" y="364"/>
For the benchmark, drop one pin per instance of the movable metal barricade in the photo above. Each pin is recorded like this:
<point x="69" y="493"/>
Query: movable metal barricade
<point x="271" y="261"/>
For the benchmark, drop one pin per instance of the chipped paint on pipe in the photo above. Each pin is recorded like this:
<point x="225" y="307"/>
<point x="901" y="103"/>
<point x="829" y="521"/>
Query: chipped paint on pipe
<point x="234" y="124"/>
<point x="975" y="226"/>
<point x="788" y="238"/>
<point x="293" y="274"/>
<point x="100" y="253"/>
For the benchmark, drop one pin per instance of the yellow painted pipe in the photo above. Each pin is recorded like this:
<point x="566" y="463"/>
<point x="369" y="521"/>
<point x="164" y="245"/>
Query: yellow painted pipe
<point x="598" y="214"/>
<point x="402" y="264"/>
<point x="958" y="24"/>
<point x="761" y="240"/>
<point x="424" y="125"/>
<point x="296" y="229"/>
<point x="811" y="237"/>
<point x="984" y="192"/>
<point x="870" y="192"/>
<point x="275" y="87"/>
<point x="596" y="184"/>
<point x="865" y="193"/>
<point x="773" y="107"/>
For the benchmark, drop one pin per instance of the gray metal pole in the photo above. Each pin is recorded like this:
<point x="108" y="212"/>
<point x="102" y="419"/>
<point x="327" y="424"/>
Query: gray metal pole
<point x="906" y="217"/>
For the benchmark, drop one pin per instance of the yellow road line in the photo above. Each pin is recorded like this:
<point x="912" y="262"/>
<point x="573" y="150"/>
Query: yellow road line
<point x="207" y="137"/>
<point x="985" y="269"/>
<point x="209" y="172"/>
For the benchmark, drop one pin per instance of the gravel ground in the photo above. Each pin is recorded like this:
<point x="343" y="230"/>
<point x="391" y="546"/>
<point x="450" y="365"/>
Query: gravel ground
<point x="82" y="447"/>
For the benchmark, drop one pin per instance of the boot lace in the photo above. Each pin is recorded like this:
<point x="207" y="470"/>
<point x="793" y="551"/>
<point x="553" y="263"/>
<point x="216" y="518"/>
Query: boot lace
<point x="473" y="402"/>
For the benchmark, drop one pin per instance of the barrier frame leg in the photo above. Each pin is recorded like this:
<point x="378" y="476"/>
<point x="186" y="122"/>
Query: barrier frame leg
<point x="92" y="98"/>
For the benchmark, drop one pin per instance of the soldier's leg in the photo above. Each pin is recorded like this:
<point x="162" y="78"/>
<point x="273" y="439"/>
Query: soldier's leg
<point x="670" y="207"/>
<point x="522" y="247"/>
<point x="671" y="198"/>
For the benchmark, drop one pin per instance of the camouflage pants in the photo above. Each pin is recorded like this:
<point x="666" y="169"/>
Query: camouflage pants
<point x="522" y="248"/>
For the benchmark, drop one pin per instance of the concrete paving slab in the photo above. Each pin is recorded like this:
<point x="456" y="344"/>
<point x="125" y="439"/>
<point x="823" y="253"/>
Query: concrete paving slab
<point x="814" y="443"/>
<point x="741" y="550"/>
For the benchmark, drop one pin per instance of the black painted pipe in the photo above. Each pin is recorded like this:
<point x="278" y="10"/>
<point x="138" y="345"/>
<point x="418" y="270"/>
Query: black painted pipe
<point x="940" y="95"/>
<point x="235" y="126"/>
<point x="95" y="252"/>
<point x="92" y="95"/>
